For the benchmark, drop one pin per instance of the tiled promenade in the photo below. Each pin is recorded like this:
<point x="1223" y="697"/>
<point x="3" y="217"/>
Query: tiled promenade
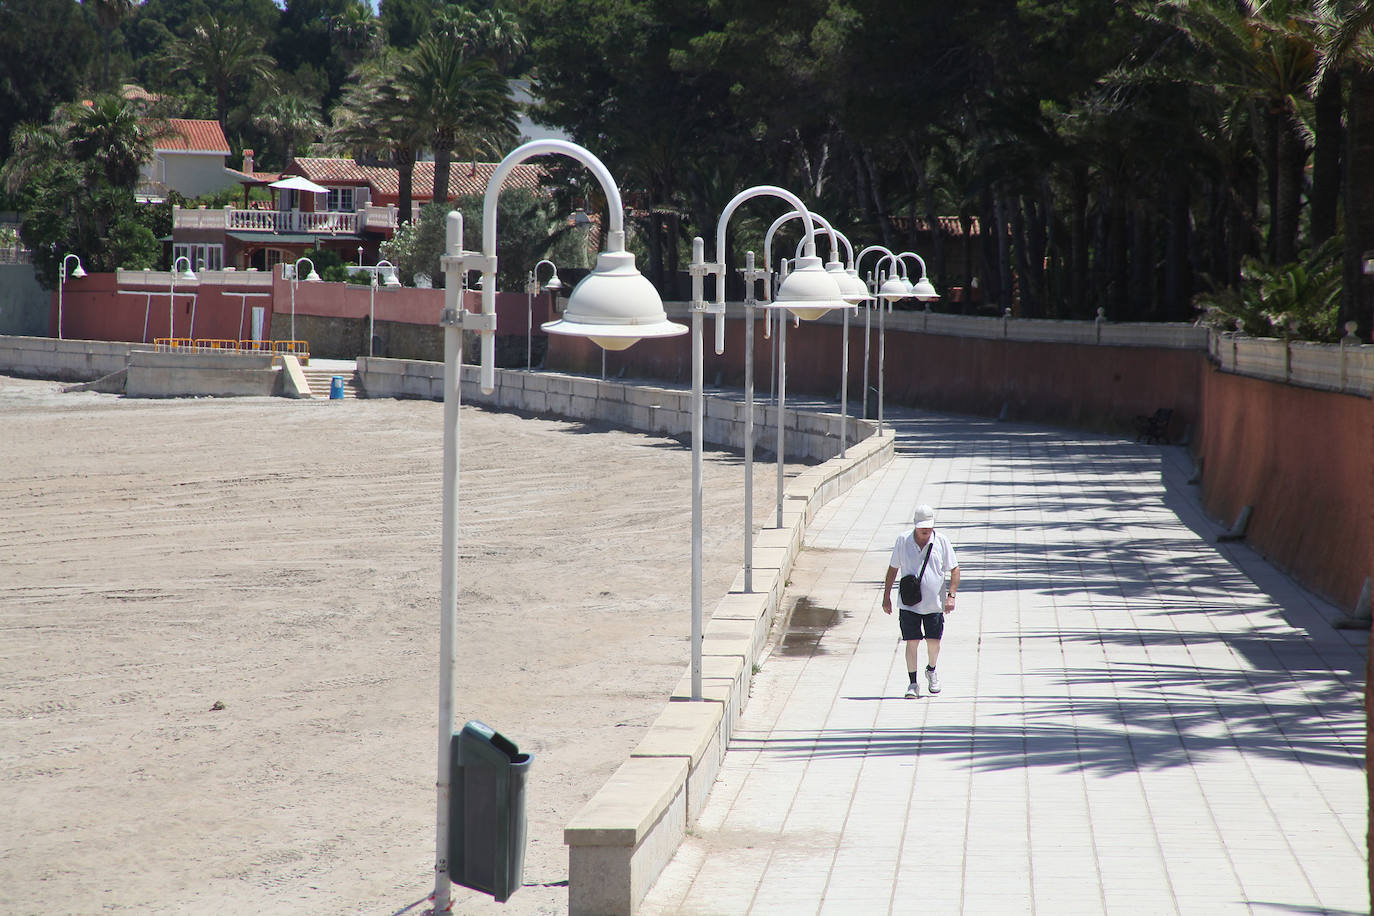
<point x="1135" y="719"/>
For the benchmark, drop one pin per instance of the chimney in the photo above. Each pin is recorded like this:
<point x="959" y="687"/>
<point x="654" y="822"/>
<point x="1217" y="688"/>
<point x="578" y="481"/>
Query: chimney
<point x="248" y="161"/>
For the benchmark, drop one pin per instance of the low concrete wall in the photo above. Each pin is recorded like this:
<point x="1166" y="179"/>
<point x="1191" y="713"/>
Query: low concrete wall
<point x="628" y="831"/>
<point x="624" y="836"/>
<point x="1081" y="373"/>
<point x="137" y="371"/>
<point x="662" y="411"/>
<point x="173" y="375"/>
<point x="66" y="360"/>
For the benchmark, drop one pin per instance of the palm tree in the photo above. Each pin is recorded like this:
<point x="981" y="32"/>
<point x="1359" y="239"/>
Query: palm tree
<point x="221" y="54"/>
<point x="357" y="32"/>
<point x="112" y="136"/>
<point x="288" y="120"/>
<point x="462" y="104"/>
<point x="77" y="174"/>
<point x="33" y="150"/>
<point x="492" y="33"/>
<point x="1347" y="30"/>
<point x="372" y="119"/>
<point x="108" y="15"/>
<point x="1264" y="51"/>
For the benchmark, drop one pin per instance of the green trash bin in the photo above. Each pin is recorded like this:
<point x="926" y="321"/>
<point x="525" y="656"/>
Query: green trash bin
<point x="487" y="811"/>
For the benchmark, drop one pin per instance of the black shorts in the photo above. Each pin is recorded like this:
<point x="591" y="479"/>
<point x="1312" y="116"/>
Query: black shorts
<point x="913" y="624"/>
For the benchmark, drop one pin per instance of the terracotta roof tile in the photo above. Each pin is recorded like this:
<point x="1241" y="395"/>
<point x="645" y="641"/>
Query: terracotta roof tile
<point x="463" y="177"/>
<point x="193" y="136"/>
<point x="253" y="177"/>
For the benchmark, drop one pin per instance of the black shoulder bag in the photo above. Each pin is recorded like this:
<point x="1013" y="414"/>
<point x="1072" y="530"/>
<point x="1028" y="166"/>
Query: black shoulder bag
<point x="909" y="587"/>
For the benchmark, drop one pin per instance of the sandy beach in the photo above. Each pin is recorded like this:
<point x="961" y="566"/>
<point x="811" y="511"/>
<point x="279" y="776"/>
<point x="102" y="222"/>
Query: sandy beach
<point x="219" y="639"/>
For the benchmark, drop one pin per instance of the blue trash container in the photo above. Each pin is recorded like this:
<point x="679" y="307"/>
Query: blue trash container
<point x="336" y="388"/>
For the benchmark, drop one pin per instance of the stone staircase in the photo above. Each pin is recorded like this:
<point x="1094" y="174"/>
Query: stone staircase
<point x="320" y="380"/>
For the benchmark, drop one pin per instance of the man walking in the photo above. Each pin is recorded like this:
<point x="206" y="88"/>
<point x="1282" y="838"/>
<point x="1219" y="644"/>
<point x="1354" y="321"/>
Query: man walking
<point x="924" y="559"/>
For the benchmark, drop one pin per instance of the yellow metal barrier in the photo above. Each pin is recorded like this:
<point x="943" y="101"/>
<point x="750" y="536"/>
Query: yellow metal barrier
<point x="300" y="348"/>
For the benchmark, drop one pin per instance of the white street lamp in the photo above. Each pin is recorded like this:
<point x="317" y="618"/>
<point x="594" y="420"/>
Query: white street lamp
<point x="810" y="294"/>
<point x="311" y="277"/>
<point x="853" y="291"/>
<point x="77" y="274"/>
<point x="922" y="289"/>
<point x="391" y="281"/>
<point x="891" y="289"/>
<point x="614" y="305"/>
<point x="824" y="289"/>
<point x="187" y="276"/>
<point x="531" y="289"/>
<point x="888" y="288"/>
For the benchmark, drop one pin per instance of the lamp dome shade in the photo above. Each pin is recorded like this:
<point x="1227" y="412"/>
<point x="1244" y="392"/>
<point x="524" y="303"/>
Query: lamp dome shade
<point x="852" y="289"/>
<point x="614" y="306"/>
<point x="554" y="283"/>
<point x="808" y="291"/>
<point x="924" y="290"/>
<point x="894" y="288"/>
<point x="78" y="273"/>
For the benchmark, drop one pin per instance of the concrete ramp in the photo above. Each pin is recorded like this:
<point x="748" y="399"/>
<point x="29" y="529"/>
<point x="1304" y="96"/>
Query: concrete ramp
<point x="293" y="381"/>
<point x="107" y="384"/>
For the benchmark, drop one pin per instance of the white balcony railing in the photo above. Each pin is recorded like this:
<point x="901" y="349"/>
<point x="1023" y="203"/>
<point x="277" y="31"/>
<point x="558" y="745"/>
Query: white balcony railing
<point x="235" y="219"/>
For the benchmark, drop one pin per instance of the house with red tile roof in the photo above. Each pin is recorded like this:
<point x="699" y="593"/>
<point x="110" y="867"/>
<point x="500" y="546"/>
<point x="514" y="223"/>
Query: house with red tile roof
<point x="383" y="185"/>
<point x="188" y="157"/>
<point x="355" y="207"/>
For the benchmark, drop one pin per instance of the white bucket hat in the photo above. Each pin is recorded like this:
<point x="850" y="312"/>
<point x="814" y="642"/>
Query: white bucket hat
<point x="925" y="516"/>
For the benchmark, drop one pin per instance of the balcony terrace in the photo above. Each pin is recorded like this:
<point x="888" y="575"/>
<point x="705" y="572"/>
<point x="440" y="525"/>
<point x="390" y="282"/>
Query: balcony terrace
<point x="275" y="222"/>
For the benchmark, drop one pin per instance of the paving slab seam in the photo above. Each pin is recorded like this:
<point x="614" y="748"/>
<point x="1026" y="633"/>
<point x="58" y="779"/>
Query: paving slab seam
<point x="1140" y="722"/>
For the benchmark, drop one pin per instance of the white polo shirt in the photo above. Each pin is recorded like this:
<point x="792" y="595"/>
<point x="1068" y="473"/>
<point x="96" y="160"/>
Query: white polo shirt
<point x="907" y="559"/>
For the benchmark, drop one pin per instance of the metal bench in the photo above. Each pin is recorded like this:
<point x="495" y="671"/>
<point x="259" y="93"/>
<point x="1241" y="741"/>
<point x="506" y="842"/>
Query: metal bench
<point x="1154" y="428"/>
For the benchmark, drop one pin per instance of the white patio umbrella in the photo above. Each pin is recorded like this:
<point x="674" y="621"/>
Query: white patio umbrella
<point x="299" y="183"/>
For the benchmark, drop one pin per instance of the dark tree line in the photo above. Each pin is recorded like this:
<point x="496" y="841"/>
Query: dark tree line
<point x="1064" y="155"/>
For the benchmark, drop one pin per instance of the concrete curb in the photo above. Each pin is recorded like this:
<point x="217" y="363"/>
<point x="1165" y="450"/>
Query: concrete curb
<point x="628" y="831"/>
<point x="612" y="867"/>
<point x="661" y="411"/>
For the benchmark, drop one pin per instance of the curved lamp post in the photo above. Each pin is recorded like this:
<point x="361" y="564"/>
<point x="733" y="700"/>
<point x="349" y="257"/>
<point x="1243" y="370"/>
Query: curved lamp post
<point x="809" y="290"/>
<point x="922" y="289"/>
<point x="888" y="288"/>
<point x="825" y="289"/>
<point x="532" y="288"/>
<point x="187" y="276"/>
<point x="311" y="277"/>
<point x="854" y="292"/>
<point x="390" y="281"/>
<point x="614" y="305"/>
<point x="891" y="289"/>
<point x="77" y="274"/>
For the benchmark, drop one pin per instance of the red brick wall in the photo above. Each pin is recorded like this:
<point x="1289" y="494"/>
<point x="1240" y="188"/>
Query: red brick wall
<point x="1095" y="387"/>
<point x="1300" y="457"/>
<point x="93" y="309"/>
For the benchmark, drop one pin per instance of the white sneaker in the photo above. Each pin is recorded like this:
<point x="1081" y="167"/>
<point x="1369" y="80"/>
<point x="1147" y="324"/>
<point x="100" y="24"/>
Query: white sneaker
<point x="913" y="690"/>
<point x="933" y="681"/>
